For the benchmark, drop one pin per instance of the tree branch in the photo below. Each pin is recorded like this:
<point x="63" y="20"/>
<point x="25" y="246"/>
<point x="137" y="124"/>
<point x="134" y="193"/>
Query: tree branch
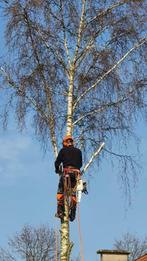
<point x="109" y="9"/>
<point x="64" y="32"/>
<point x="80" y="30"/>
<point x="102" y="13"/>
<point x="20" y="93"/>
<point x="105" y="106"/>
<point x="46" y="87"/>
<point x="59" y="58"/>
<point x="95" y="154"/>
<point x="83" y="53"/>
<point x="141" y="42"/>
<point x="32" y="101"/>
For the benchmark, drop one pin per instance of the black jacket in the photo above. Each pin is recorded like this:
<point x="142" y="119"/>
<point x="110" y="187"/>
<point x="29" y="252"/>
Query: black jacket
<point x="69" y="156"/>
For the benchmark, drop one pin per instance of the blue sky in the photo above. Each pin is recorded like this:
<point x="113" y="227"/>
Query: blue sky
<point x="28" y="193"/>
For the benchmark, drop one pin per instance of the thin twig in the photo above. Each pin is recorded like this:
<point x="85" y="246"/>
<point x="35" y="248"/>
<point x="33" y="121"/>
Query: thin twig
<point x="109" y="9"/>
<point x="65" y="38"/>
<point x="80" y="31"/>
<point x="32" y="101"/>
<point x="141" y="42"/>
<point x="104" y="106"/>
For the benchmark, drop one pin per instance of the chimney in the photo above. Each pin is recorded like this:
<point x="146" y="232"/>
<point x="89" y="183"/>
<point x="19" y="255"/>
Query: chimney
<point x="113" y="255"/>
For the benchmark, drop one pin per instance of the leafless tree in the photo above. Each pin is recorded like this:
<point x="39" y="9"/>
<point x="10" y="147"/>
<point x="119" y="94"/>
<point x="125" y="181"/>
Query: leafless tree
<point x="76" y="67"/>
<point x="133" y="244"/>
<point x="32" y="244"/>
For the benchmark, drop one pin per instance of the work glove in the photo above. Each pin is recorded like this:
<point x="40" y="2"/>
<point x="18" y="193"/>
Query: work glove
<point x="82" y="172"/>
<point x="85" y="191"/>
<point x="58" y="171"/>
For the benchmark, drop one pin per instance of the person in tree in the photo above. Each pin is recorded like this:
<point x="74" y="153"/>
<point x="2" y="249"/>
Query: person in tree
<point x="70" y="158"/>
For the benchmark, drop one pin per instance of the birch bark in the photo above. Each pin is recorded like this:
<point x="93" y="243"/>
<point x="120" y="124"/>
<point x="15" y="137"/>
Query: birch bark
<point x="66" y="245"/>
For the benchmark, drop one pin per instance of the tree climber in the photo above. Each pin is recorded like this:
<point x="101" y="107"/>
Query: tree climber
<point x="71" y="159"/>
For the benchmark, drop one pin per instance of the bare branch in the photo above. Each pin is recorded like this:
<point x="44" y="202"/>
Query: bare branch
<point x="105" y="106"/>
<point x="80" y="30"/>
<point x="108" y="10"/>
<point x="91" y="42"/>
<point x="20" y="93"/>
<point x="46" y="87"/>
<point x="31" y="101"/>
<point x="130" y="242"/>
<point x="32" y="244"/>
<point x="65" y="37"/>
<point x="141" y="42"/>
<point x="95" y="154"/>
<point x="54" y="50"/>
<point x="84" y="52"/>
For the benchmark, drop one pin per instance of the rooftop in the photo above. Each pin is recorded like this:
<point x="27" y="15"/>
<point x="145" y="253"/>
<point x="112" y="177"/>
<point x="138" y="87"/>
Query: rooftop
<point x="142" y="258"/>
<point x="114" y="251"/>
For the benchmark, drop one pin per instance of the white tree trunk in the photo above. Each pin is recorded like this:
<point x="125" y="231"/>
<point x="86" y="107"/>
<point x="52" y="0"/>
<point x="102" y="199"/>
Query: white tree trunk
<point x="66" y="245"/>
<point x="70" y="104"/>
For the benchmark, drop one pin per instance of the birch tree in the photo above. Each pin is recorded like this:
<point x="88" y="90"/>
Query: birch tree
<point x="76" y="67"/>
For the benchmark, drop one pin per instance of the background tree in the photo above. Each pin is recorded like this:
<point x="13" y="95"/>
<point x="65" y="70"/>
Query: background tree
<point x="76" y="67"/>
<point x="130" y="242"/>
<point x="32" y="244"/>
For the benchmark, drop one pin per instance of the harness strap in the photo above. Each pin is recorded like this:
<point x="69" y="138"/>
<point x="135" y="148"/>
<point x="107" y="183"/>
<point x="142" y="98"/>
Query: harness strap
<point x="72" y="170"/>
<point x="67" y="172"/>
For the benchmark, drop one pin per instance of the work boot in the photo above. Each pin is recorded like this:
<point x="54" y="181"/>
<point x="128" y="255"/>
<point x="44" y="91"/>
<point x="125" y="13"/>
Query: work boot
<point x="60" y="212"/>
<point x="72" y="213"/>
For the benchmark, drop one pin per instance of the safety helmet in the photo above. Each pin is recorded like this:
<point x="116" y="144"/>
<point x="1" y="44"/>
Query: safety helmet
<point x="65" y="139"/>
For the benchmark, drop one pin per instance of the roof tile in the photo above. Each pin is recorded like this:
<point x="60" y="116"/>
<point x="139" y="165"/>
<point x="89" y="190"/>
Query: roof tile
<point x="142" y="258"/>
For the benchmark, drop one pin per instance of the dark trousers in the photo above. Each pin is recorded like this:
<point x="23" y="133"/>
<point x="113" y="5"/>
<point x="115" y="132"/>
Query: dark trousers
<point x="60" y="191"/>
<point x="73" y="181"/>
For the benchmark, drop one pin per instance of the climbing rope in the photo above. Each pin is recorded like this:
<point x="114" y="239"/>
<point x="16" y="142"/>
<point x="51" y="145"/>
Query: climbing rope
<point x="67" y="184"/>
<point x="80" y="234"/>
<point x="68" y="189"/>
<point x="68" y="192"/>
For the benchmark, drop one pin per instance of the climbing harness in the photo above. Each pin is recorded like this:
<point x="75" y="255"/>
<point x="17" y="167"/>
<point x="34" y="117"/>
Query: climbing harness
<point x="70" y="186"/>
<point x="73" y="187"/>
<point x="67" y="172"/>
